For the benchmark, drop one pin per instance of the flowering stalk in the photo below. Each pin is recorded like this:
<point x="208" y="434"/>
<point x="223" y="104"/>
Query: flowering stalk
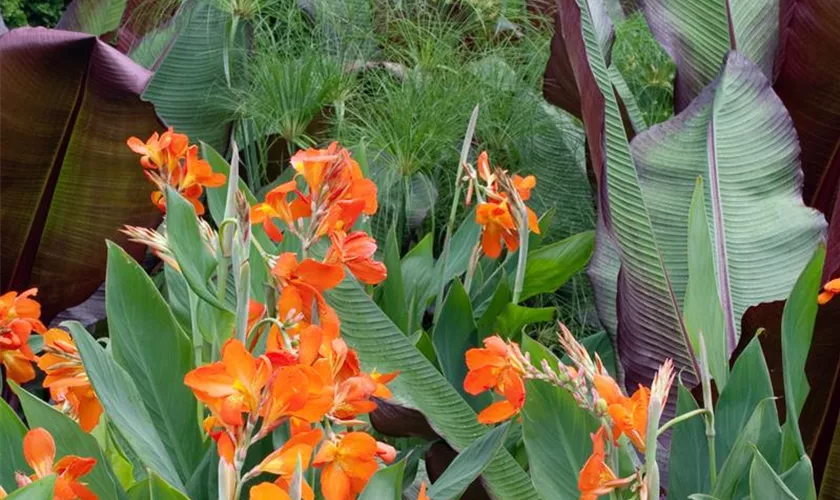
<point x="705" y="380"/>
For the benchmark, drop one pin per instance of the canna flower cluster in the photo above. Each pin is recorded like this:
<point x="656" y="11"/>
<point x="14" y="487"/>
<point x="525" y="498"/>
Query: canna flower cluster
<point x="19" y="316"/>
<point x="39" y="452"/>
<point x="502" y="367"/>
<point x="168" y="159"/>
<point x="501" y="209"/>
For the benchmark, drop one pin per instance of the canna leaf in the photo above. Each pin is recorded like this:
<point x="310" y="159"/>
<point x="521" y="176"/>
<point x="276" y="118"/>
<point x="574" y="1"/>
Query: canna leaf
<point x="97" y="17"/>
<point x="385" y="484"/>
<point x="154" y="488"/>
<point x="11" y="446"/>
<point x="41" y="489"/>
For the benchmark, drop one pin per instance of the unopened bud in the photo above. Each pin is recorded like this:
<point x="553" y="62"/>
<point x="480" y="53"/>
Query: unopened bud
<point x="601" y="406"/>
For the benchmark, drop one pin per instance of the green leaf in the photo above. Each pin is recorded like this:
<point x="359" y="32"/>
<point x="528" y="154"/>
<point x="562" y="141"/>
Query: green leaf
<point x="514" y="318"/>
<point x="468" y="465"/>
<point x="454" y="333"/>
<point x="96" y="17"/>
<point x="385" y="484"/>
<point x="11" y="446"/>
<point x="497" y="303"/>
<point x="800" y="479"/>
<point x="189" y="89"/>
<point x="702" y="309"/>
<point x="196" y="263"/>
<point x="41" y="489"/>
<point x="419" y="280"/>
<point x="688" y="462"/>
<point x="382" y="345"/>
<point x="70" y="439"/>
<point x="124" y="405"/>
<point x="762" y="426"/>
<point x="58" y="201"/>
<point x="556" y="431"/>
<point x="392" y="290"/>
<point x="463" y="241"/>
<point x="765" y="484"/>
<point x="749" y="385"/>
<point x="635" y="114"/>
<point x="148" y="343"/>
<point x="154" y="488"/>
<point x="423" y="343"/>
<point x="550" y="267"/>
<point x="798" y="320"/>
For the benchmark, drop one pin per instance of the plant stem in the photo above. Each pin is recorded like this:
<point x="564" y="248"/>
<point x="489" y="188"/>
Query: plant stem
<point x="447" y="241"/>
<point x="651" y="467"/>
<point x="476" y="254"/>
<point x="706" y="381"/>
<point x="522" y="257"/>
<point x="198" y="343"/>
<point x="685" y="416"/>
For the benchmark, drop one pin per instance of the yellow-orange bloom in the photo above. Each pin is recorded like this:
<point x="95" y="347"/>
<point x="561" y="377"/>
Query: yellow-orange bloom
<point x="356" y="250"/>
<point x="39" y="452"/>
<point x="284" y="461"/>
<point x="302" y="285"/>
<point x="595" y="476"/>
<point x="67" y="379"/>
<point x="829" y="290"/>
<point x="160" y="151"/>
<point x="629" y="415"/>
<point x="300" y="392"/>
<point x="422" y="494"/>
<point x="19" y="317"/>
<point x="268" y="491"/>
<point x="494" y="367"/>
<point x="277" y="206"/>
<point x="348" y="461"/>
<point x="499" y="225"/>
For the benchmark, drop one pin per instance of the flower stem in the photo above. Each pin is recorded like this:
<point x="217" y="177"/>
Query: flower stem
<point x="522" y="257"/>
<point x="476" y="254"/>
<point x="198" y="343"/>
<point x="682" y="418"/>
<point x="706" y="381"/>
<point x="651" y="467"/>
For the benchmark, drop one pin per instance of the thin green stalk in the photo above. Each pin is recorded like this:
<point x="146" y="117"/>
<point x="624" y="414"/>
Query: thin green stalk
<point x="706" y="381"/>
<point x="651" y="467"/>
<point x="447" y="241"/>
<point x="198" y="344"/>
<point x="682" y="418"/>
<point x="476" y="254"/>
<point x="522" y="257"/>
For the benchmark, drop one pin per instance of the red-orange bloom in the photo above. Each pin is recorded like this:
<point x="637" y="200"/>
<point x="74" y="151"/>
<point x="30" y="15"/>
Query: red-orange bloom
<point x="494" y="367"/>
<point x="268" y="491"/>
<point x="160" y="151"/>
<point x="67" y="379"/>
<point x="422" y="494"/>
<point x="596" y="477"/>
<point x="524" y="185"/>
<point x="277" y="206"/>
<point x="284" y="461"/>
<point x="629" y="415"/>
<point x="298" y="392"/>
<point x="829" y="290"/>
<point x="348" y="462"/>
<point x="19" y="317"/>
<point x="356" y="250"/>
<point x="303" y="285"/>
<point x="233" y="385"/>
<point x="498" y="225"/>
<point x="39" y="452"/>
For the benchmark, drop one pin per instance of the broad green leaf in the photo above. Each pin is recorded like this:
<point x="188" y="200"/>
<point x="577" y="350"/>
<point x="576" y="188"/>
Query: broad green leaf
<point x="195" y="260"/>
<point x="204" y="482"/>
<point x="740" y="139"/>
<point x="381" y="345"/>
<point x="603" y="274"/>
<point x="121" y="466"/>
<point x="761" y="428"/>
<point x="651" y="328"/>
<point x="688" y="462"/>
<point x="635" y="114"/>
<point x="154" y="488"/>
<point x="798" y="320"/>
<point x="73" y="183"/>
<point x="97" y="17"/>
<point x="513" y="318"/>
<point x="455" y="332"/>
<point x="702" y="309"/>
<point x="550" y="266"/>
<point x="463" y="241"/>
<point x="11" y="446"/>
<point x="124" y="406"/>
<point x="749" y="385"/>
<point x="800" y="479"/>
<point x="765" y="484"/>
<point x="702" y="496"/>
<point x="189" y="90"/>
<point x="419" y="280"/>
<point x="501" y="298"/>
<point x="70" y="439"/>
<point x="41" y="489"/>
<point x="697" y="34"/>
<point x="556" y="431"/>
<point x="386" y="484"/>
<point x="392" y="290"/>
<point x="148" y="343"/>
<point x="468" y="465"/>
<point x="423" y="343"/>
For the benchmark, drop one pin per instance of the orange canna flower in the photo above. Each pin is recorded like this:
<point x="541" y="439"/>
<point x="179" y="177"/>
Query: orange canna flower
<point x="382" y="391"/>
<point x="67" y="379"/>
<point x="333" y="176"/>
<point x="422" y="494"/>
<point x="277" y="206"/>
<point x="498" y="225"/>
<point x="829" y="290"/>
<point x="39" y="452"/>
<point x="356" y="250"/>
<point x="596" y="477"/>
<point x="348" y="461"/>
<point x="302" y="286"/>
<point x="233" y="385"/>
<point x="284" y="461"/>
<point x="268" y="491"/>
<point x="160" y="151"/>
<point x="494" y="367"/>
<point x="300" y="392"/>
<point x="19" y="317"/>
<point x="524" y="185"/>
<point x="629" y="415"/>
<point x="352" y="398"/>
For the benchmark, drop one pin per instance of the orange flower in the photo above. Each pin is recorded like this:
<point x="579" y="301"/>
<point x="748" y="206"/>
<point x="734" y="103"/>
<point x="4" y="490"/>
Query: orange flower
<point x="160" y="152"/>
<point x="19" y="317"/>
<point x="348" y="461"/>
<point x="352" y="398"/>
<point x="355" y="250"/>
<point x="524" y="185"/>
<point x="268" y="491"/>
<point x="422" y="494"/>
<point x="498" y="225"/>
<point x="494" y="367"/>
<point x="39" y="452"/>
<point x="284" y="461"/>
<point x="830" y="289"/>
<point x="277" y="206"/>
<point x="233" y="385"/>
<point x="629" y="415"/>
<point x="596" y="477"/>
<point x="67" y="379"/>
<point x="302" y="287"/>
<point x="298" y="392"/>
<point x="382" y="391"/>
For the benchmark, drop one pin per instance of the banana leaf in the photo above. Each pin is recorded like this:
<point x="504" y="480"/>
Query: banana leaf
<point x="68" y="181"/>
